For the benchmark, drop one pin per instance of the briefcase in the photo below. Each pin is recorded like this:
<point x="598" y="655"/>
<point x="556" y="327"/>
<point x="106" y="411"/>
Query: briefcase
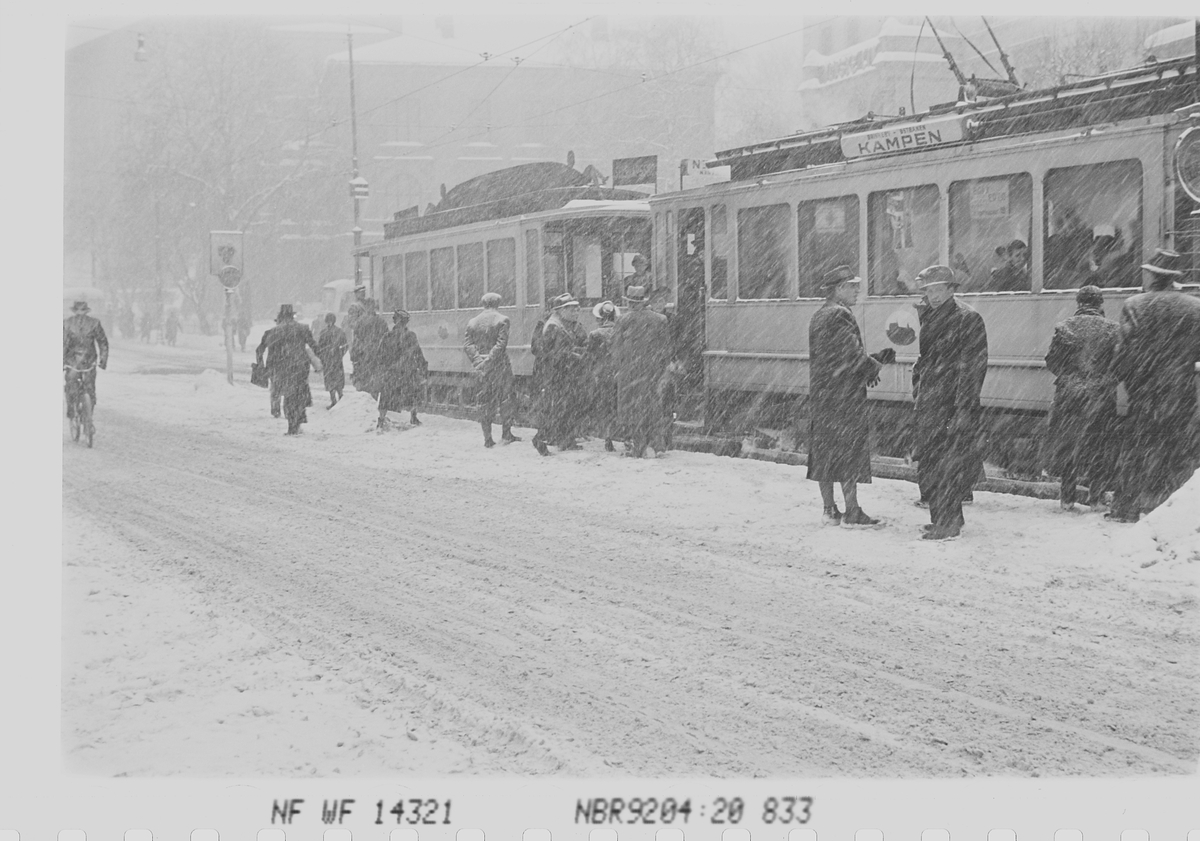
<point x="258" y="374"/>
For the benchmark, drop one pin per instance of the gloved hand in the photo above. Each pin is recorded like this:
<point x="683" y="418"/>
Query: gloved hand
<point x="104" y="365"/>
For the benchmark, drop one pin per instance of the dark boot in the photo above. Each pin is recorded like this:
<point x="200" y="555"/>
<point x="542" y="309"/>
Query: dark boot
<point x="487" y="433"/>
<point x="608" y="446"/>
<point x="540" y="445"/>
<point x="506" y="435"/>
<point x="413" y="419"/>
<point x="858" y="517"/>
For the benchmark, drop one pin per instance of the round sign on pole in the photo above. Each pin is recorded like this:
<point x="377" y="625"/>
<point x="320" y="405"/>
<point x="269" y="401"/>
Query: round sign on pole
<point x="229" y="276"/>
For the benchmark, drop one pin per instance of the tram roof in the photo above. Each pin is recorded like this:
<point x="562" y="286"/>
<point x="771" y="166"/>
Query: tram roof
<point x="1153" y="88"/>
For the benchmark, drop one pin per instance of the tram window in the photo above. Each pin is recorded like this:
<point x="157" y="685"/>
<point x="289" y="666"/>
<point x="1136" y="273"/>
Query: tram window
<point x="393" y="282"/>
<point x="416" y="277"/>
<point x="902" y="237"/>
<point x="762" y="251"/>
<point x="441" y="278"/>
<point x="502" y="269"/>
<point x="689" y="257"/>
<point x="554" y="265"/>
<point x="991" y="220"/>
<point x="722" y="248"/>
<point x="1093" y="226"/>
<point x="533" y="269"/>
<point x="470" y="274"/>
<point x="828" y="237"/>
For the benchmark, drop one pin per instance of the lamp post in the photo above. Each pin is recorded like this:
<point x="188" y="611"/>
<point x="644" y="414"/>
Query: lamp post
<point x="354" y="177"/>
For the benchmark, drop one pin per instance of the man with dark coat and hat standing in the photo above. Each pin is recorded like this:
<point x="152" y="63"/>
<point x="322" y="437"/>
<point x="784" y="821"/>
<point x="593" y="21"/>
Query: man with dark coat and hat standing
<point x="401" y="370"/>
<point x="486" y="345"/>
<point x="364" y="348"/>
<point x="839" y="372"/>
<point x="1084" y="413"/>
<point x="1158" y="349"/>
<point x="947" y="381"/>
<point x="641" y="349"/>
<point x="563" y="374"/>
<point x="291" y="348"/>
<point x="331" y="348"/>
<point x="85" y="346"/>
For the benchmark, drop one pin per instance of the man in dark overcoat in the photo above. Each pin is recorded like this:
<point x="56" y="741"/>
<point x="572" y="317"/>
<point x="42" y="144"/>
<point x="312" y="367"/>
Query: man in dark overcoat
<point x="364" y="349"/>
<point x="604" y="378"/>
<point x="291" y="348"/>
<point x="839" y="372"/>
<point x="486" y="346"/>
<point x="1084" y="413"/>
<point x="331" y="349"/>
<point x="402" y="370"/>
<point x="85" y="346"/>
<point x="1157" y="351"/>
<point x="947" y="381"/>
<point x="563" y="376"/>
<point x="263" y="357"/>
<point x="641" y="349"/>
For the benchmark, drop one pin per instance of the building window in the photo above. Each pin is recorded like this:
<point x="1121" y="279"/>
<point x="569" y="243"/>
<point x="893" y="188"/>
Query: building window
<point x="393" y="282"/>
<point x="441" y="278"/>
<point x="828" y="237"/>
<point x="554" y="265"/>
<point x="502" y="269"/>
<point x="902" y="237"/>
<point x="1093" y="226"/>
<point x="722" y="238"/>
<point x="416" y="277"/>
<point x="470" y="274"/>
<point x="991" y="220"/>
<point x="533" y="269"/>
<point x="762" y="252"/>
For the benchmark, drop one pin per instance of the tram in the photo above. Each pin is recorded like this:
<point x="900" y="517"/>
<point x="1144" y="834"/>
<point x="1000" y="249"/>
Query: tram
<point x="1026" y="196"/>
<point x="529" y="233"/>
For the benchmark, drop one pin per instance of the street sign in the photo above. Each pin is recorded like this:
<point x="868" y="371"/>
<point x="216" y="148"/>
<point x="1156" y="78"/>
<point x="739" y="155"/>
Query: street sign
<point x="225" y="257"/>
<point x="359" y="188"/>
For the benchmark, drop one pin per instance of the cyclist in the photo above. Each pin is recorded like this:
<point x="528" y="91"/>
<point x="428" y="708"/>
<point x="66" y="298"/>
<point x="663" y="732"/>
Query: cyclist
<point x="84" y="346"/>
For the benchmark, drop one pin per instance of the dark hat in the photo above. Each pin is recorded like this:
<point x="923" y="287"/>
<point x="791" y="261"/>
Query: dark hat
<point x="1089" y="295"/>
<point x="603" y="308"/>
<point x="638" y="258"/>
<point x="836" y="275"/>
<point x="564" y="300"/>
<point x="1165" y="262"/>
<point x="330" y="318"/>
<point x="285" y="311"/>
<point x="636" y="294"/>
<point x="400" y="315"/>
<point x="80" y="306"/>
<point x="490" y="299"/>
<point x="1016" y="243"/>
<point x="935" y="274"/>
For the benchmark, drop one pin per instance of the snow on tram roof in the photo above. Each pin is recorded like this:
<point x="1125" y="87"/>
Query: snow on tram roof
<point x="625" y="205"/>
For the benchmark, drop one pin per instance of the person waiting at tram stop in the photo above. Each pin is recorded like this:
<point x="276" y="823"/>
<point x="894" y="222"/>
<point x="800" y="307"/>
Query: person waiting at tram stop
<point x="840" y="372"/>
<point x="604" y="380"/>
<point x="486" y="346"/>
<point x="562" y="371"/>
<point x="400" y="370"/>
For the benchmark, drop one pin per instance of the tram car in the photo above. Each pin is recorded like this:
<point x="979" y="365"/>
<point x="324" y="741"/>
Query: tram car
<point x="1027" y="196"/>
<point x="528" y="232"/>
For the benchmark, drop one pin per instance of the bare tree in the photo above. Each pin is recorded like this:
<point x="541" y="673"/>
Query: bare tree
<point x="1087" y="47"/>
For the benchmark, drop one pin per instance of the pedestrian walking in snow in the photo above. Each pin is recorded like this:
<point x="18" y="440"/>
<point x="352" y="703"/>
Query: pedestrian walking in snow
<point x="561" y="357"/>
<point x="364" y="348"/>
<point x="172" y="327"/>
<point x="263" y="356"/>
<point x="947" y="380"/>
<point x="292" y="349"/>
<point x="840" y="370"/>
<point x="1157" y="350"/>
<point x="401" y="370"/>
<point x="331" y="348"/>
<point x="486" y="346"/>
<point x="604" y="379"/>
<point x="641" y="349"/>
<point x="1082" y="434"/>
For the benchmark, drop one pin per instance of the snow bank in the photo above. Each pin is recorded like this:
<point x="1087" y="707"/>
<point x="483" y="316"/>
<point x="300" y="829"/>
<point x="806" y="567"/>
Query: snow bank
<point x="1170" y="532"/>
<point x="208" y="381"/>
<point x="356" y="413"/>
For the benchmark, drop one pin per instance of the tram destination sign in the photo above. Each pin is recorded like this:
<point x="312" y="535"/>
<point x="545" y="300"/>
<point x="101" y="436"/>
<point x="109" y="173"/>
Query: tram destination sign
<point x="904" y="138"/>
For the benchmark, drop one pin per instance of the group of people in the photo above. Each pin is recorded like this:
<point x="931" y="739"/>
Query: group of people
<point x="1141" y="459"/>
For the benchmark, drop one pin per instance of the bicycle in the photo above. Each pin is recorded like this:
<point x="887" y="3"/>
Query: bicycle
<point x="79" y="400"/>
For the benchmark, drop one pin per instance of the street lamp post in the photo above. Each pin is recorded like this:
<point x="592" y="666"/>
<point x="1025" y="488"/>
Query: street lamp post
<point x="355" y="179"/>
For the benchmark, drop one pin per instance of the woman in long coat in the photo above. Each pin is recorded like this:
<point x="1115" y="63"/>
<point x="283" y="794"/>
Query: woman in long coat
<point x="1084" y="413"/>
<point x="604" y="381"/>
<point x="401" y="370"/>
<point x="331" y="348"/>
<point x="641" y="349"/>
<point x="839" y="372"/>
<point x="563" y="375"/>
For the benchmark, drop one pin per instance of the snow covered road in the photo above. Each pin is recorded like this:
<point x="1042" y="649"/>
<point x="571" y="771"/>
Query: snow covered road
<point x="345" y="602"/>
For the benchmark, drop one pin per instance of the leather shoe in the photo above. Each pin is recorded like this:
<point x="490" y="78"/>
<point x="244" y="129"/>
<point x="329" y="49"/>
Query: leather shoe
<point x="858" y="517"/>
<point x="488" y="442"/>
<point x="831" y="516"/>
<point x="941" y="532"/>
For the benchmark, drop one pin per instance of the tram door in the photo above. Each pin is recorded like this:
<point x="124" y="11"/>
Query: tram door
<point x="688" y="330"/>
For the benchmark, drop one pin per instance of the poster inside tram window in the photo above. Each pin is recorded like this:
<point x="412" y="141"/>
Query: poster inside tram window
<point x="989" y="198"/>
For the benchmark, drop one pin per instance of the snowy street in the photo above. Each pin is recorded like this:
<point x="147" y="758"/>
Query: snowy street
<point x="241" y="602"/>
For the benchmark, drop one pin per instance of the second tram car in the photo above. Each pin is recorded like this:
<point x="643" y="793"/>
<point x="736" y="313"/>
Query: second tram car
<point x="529" y="233"/>
<point x="1026" y="197"/>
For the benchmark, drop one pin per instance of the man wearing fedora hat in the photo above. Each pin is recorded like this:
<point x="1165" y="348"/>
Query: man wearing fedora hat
<point x="486" y="346"/>
<point x="641" y="349"/>
<point x="1157" y="351"/>
<point x="84" y="347"/>
<point x="947" y="380"/>
<point x="292" y="348"/>
<point x="561" y="354"/>
<point x="839" y="372"/>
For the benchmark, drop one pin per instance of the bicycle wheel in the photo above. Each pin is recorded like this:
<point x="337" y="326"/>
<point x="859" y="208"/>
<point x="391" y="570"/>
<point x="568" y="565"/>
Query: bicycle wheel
<point x="84" y="413"/>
